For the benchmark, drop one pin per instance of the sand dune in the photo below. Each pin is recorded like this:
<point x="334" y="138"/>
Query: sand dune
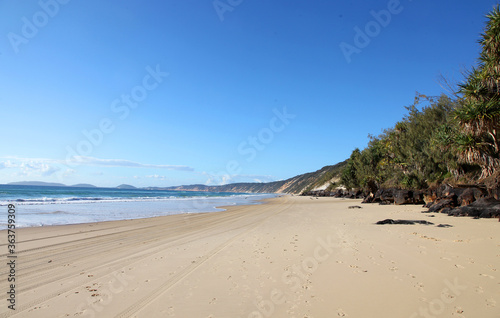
<point x="291" y="257"/>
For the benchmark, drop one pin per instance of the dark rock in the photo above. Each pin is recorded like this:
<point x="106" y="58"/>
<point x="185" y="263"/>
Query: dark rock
<point x="391" y="221"/>
<point x="354" y="207"/>
<point x="440" y="204"/>
<point x="422" y="222"/>
<point x="418" y="197"/>
<point x="429" y="197"/>
<point x="339" y="193"/>
<point x="384" y="196"/>
<point x="429" y="204"/>
<point x="495" y="193"/>
<point x="403" y="197"/>
<point x="368" y="199"/>
<point x="470" y="195"/>
<point x="482" y="208"/>
<point x="444" y="190"/>
<point x="396" y="196"/>
<point x="386" y="221"/>
<point x="387" y="196"/>
<point x="446" y="210"/>
<point x="444" y="225"/>
<point x="466" y="198"/>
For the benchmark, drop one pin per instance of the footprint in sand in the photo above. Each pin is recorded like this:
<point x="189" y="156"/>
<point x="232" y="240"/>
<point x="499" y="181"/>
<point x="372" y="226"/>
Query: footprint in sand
<point x="448" y="296"/>
<point x="341" y="313"/>
<point x="486" y="275"/>
<point x="479" y="290"/>
<point x="490" y="302"/>
<point x="459" y="310"/>
<point x="420" y="286"/>
<point x="459" y="266"/>
<point x="492" y="268"/>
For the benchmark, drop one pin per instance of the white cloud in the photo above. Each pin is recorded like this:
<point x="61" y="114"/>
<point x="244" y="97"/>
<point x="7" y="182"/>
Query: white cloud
<point x="155" y="176"/>
<point x="48" y="170"/>
<point x="31" y="167"/>
<point x="90" y="161"/>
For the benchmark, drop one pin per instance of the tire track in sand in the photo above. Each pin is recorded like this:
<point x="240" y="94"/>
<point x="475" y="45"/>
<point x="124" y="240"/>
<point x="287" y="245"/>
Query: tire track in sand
<point x="179" y="277"/>
<point x="81" y="248"/>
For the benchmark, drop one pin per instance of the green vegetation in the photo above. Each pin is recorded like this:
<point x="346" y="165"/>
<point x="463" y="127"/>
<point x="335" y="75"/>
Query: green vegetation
<point x="479" y="117"/>
<point x="410" y="155"/>
<point x="441" y="138"/>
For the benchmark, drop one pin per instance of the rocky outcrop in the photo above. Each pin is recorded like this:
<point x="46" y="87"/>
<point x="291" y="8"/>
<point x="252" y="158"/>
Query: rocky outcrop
<point x="469" y="195"/>
<point x="482" y="208"/>
<point x="441" y="204"/>
<point x="473" y="201"/>
<point x="396" y="196"/>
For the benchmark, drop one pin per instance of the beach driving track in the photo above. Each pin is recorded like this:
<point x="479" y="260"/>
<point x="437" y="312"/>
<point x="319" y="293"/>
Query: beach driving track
<point x="50" y="269"/>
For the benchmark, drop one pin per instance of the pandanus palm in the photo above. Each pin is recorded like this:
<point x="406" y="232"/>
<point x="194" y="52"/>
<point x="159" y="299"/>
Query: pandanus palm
<point x="479" y="116"/>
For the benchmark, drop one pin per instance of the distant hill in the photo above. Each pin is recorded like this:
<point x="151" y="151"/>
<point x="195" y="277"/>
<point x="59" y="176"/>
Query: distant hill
<point x="126" y="186"/>
<point x="83" y="185"/>
<point x="319" y="179"/>
<point x="37" y="183"/>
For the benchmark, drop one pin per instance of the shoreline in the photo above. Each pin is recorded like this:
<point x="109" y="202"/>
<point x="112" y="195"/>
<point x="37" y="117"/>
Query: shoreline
<point x="291" y="256"/>
<point x="35" y="215"/>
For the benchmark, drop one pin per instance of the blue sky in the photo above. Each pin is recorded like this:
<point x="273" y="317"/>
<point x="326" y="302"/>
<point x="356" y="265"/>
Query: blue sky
<point x="161" y="93"/>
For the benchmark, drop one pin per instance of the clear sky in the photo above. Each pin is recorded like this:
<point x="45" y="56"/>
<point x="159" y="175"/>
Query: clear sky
<point x="162" y="92"/>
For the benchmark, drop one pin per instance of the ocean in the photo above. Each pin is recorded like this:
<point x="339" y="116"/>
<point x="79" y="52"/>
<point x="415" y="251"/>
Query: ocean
<point x="43" y="205"/>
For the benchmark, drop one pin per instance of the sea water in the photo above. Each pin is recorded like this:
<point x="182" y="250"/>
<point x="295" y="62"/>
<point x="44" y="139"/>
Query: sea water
<point x="44" y="205"/>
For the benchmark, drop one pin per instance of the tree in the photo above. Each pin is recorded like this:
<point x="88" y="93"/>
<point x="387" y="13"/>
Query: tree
<point x="479" y="116"/>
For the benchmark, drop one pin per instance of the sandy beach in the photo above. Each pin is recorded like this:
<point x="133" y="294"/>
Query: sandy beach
<point x="291" y="257"/>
